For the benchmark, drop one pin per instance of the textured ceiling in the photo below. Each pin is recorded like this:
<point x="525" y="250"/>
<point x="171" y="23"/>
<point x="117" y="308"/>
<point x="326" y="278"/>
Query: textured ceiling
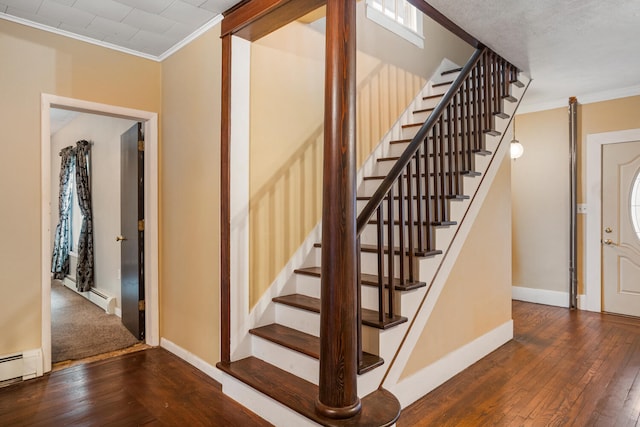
<point x="149" y="27"/>
<point x="584" y="48"/>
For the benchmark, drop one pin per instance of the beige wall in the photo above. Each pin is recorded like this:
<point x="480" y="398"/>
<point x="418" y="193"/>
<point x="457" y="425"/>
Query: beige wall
<point x="287" y="96"/>
<point x="190" y="165"/>
<point x="540" y="193"/>
<point x="35" y="62"/>
<point x="540" y="189"/>
<point x="477" y="295"/>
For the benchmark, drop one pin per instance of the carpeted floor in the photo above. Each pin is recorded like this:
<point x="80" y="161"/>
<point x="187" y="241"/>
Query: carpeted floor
<point x="81" y="329"/>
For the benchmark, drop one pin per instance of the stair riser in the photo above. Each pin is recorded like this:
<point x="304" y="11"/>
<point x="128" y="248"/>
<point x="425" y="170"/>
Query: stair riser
<point x="467" y="184"/>
<point x="369" y="235"/>
<point x="284" y="358"/>
<point x="369" y="263"/>
<point x="310" y="286"/>
<point x="295" y="318"/>
<point x="267" y="408"/>
<point x="369" y="186"/>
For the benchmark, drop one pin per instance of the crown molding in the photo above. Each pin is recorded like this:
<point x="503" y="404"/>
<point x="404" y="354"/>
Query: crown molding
<point x="157" y="58"/>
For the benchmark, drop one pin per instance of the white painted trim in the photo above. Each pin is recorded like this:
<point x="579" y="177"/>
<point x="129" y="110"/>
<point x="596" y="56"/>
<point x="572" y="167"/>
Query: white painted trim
<point x="192" y="359"/>
<point x="540" y="296"/>
<point x="586" y="98"/>
<point x="158" y="58"/>
<point x="427" y="379"/>
<point x="239" y="204"/>
<point x="150" y="120"/>
<point x="593" y="193"/>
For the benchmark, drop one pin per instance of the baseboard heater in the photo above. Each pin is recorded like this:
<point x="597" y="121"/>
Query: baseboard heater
<point x="20" y="366"/>
<point x="96" y="296"/>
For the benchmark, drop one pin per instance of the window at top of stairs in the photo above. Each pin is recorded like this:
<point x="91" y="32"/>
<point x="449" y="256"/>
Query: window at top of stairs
<point x="399" y="17"/>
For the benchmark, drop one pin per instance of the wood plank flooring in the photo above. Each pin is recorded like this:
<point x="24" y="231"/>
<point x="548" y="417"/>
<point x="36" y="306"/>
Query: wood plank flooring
<point x="562" y="369"/>
<point x="150" y="387"/>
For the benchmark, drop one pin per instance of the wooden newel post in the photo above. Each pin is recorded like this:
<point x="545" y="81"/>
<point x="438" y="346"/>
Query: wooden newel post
<point x="338" y="397"/>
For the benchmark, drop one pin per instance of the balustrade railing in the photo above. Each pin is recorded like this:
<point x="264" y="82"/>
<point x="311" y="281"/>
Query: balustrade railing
<point x="414" y="197"/>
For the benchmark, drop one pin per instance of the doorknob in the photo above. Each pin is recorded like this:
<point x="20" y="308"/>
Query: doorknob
<point x="608" y="242"/>
<point x="608" y="230"/>
<point x="120" y="238"/>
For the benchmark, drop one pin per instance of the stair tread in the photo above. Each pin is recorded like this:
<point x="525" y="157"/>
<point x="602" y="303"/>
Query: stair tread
<point x="424" y="98"/>
<point x="396" y="222"/>
<point x="378" y="408"/>
<point x="366" y="279"/>
<point x="418" y="253"/>
<point x="442" y="83"/>
<point x="509" y="98"/>
<point x="306" y="344"/>
<point x="517" y="83"/>
<point x="455" y="70"/>
<point x="424" y="110"/>
<point x="369" y="317"/>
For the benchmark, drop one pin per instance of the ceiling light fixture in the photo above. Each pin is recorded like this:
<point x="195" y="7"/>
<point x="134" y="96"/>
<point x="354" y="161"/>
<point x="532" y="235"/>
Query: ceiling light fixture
<point x="515" y="148"/>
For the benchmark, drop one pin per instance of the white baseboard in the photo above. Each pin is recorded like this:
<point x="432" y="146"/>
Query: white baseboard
<point x="192" y="359"/>
<point x="540" y="296"/>
<point x="546" y="297"/>
<point x="427" y="379"/>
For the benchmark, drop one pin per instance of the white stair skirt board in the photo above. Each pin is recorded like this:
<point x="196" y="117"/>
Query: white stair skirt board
<point x="192" y="359"/>
<point x="21" y="366"/>
<point x="427" y="379"/>
<point x="97" y="296"/>
<point x="545" y="296"/>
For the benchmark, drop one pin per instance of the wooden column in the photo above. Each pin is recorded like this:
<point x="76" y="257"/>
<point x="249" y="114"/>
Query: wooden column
<point x="225" y="204"/>
<point x="338" y="397"/>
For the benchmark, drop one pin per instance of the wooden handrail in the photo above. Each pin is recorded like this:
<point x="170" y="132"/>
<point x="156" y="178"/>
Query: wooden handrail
<point x="403" y="161"/>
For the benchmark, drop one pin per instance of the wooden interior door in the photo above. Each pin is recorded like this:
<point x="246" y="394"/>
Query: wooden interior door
<point x="620" y="237"/>
<point x="132" y="229"/>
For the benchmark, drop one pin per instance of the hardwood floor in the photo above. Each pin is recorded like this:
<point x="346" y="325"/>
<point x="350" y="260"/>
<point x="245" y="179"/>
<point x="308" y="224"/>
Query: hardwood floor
<point x="562" y="368"/>
<point x="150" y="387"/>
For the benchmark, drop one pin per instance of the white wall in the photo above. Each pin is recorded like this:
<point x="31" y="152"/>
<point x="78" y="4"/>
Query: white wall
<point x="105" y="133"/>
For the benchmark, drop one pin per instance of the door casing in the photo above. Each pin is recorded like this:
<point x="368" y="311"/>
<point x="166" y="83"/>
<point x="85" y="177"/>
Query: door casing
<point x="150" y="122"/>
<point x="593" y="186"/>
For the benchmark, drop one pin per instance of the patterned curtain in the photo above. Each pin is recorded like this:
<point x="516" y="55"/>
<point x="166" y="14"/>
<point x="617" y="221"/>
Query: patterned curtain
<point x="62" y="243"/>
<point x="84" y="272"/>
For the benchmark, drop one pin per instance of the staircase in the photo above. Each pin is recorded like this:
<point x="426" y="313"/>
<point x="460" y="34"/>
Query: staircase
<point x="413" y="193"/>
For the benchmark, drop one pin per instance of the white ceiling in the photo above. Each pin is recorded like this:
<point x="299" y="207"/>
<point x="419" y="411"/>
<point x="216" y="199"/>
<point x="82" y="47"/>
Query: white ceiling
<point x="584" y="48"/>
<point x="152" y="28"/>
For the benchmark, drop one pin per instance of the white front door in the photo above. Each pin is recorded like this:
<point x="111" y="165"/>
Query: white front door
<point x="621" y="228"/>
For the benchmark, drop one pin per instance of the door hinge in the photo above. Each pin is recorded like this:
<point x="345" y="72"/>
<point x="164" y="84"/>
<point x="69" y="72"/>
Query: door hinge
<point x="141" y="305"/>
<point x="141" y="225"/>
<point x="140" y="145"/>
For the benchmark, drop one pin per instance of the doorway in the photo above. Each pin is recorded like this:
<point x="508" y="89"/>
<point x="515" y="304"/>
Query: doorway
<point x="596" y="245"/>
<point x="149" y="285"/>
<point x="621" y="228"/>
